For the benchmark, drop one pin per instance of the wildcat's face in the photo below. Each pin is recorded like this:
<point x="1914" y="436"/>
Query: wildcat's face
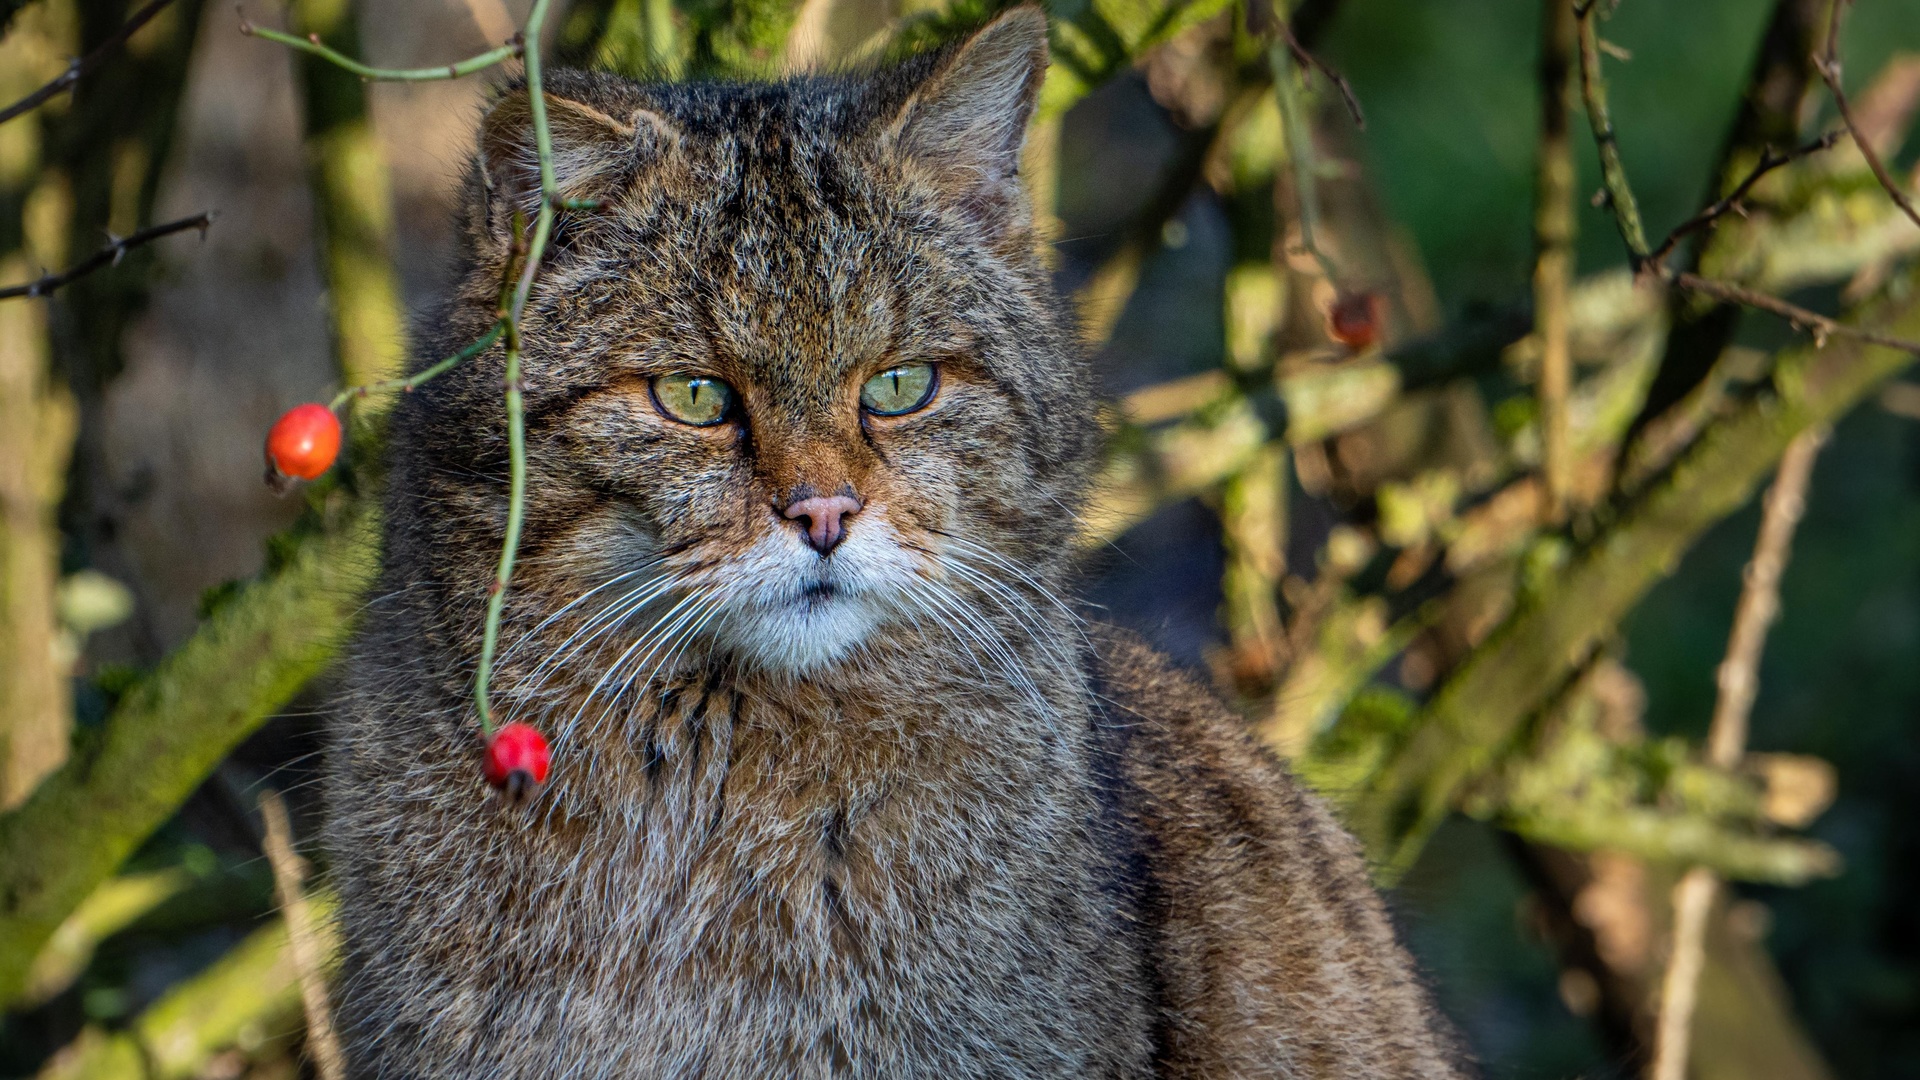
<point x="807" y="441"/>
<point x="799" y="381"/>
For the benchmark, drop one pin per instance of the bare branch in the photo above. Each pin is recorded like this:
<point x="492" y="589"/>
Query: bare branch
<point x="304" y="947"/>
<point x="1680" y="986"/>
<point x="110" y="255"/>
<point x="78" y="69"/>
<point x="1820" y="325"/>
<point x="1739" y="674"/>
<point x="1828" y="65"/>
<point x="1626" y="212"/>
<point x="1738" y="680"/>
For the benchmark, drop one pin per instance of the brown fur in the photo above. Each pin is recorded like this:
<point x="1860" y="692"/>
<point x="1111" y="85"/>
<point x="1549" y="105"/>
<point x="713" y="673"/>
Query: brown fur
<point x="890" y="813"/>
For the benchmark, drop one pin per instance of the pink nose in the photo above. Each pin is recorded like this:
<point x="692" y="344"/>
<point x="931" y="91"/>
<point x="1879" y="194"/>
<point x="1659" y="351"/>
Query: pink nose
<point x="822" y="519"/>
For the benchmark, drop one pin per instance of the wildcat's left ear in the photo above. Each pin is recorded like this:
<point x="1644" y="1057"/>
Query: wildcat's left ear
<point x="595" y="152"/>
<point x="966" y="124"/>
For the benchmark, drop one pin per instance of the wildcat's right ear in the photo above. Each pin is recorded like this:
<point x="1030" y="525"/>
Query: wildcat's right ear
<point x="596" y="154"/>
<point x="965" y="126"/>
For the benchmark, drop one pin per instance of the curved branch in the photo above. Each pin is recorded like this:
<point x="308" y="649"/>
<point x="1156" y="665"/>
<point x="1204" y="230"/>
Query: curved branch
<point x="457" y="69"/>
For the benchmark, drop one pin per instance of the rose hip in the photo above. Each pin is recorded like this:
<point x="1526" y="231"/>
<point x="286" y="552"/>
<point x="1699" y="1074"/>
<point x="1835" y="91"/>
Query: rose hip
<point x="1354" y="319"/>
<point x="303" y="443"/>
<point x="517" y="758"/>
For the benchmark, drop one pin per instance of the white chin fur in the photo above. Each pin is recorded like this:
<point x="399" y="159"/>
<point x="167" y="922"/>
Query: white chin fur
<point x="777" y="626"/>
<point x="798" y="638"/>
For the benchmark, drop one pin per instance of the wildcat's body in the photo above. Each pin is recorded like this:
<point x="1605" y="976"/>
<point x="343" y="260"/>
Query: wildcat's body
<point x="871" y="805"/>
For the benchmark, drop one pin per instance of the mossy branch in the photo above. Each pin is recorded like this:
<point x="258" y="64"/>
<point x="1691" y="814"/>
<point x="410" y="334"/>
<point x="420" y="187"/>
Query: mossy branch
<point x="173" y="727"/>
<point x="1485" y="705"/>
<point x="1679" y="838"/>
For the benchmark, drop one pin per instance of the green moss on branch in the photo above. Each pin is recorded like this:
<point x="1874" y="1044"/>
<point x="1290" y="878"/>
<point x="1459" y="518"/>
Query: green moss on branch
<point x="173" y="727"/>
<point x="1485" y="705"/>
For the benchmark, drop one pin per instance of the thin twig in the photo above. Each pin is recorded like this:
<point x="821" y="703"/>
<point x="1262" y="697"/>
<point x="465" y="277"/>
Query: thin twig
<point x="516" y="397"/>
<point x="1308" y="60"/>
<point x="312" y="44"/>
<point x="1828" y="65"/>
<point x="1819" y="325"/>
<point x="116" y="249"/>
<point x="1770" y="159"/>
<point x="289" y="871"/>
<point x="1738" y="681"/>
<point x="78" y="69"/>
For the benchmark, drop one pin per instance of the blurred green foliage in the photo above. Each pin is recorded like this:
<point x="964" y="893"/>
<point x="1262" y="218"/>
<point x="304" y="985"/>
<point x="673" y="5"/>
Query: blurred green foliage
<point x="1449" y="89"/>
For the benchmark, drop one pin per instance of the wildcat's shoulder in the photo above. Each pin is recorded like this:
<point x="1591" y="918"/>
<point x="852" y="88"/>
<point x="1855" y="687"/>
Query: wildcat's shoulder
<point x="1275" y="955"/>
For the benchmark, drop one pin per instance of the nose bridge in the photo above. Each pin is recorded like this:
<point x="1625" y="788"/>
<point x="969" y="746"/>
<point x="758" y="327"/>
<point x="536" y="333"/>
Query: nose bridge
<point x="801" y="455"/>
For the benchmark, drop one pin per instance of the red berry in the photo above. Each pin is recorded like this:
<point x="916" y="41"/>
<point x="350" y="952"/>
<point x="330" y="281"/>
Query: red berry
<point x="517" y="758"/>
<point x="1354" y="319"/>
<point x="304" y="441"/>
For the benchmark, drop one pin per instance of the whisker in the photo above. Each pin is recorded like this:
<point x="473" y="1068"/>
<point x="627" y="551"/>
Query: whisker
<point x="524" y="638"/>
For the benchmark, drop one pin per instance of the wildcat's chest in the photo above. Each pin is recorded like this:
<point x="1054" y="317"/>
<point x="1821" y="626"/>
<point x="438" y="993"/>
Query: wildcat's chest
<point x="832" y="902"/>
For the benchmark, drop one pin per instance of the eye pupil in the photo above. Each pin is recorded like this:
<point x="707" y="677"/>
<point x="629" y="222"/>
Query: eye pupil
<point x="692" y="399"/>
<point x="901" y="390"/>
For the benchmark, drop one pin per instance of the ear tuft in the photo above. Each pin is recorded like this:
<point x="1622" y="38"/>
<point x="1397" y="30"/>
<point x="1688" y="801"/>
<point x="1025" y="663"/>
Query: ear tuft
<point x="967" y="123"/>
<point x="594" y="153"/>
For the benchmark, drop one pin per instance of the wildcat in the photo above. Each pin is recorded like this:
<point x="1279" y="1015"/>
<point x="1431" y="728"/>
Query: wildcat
<point x="843" y="786"/>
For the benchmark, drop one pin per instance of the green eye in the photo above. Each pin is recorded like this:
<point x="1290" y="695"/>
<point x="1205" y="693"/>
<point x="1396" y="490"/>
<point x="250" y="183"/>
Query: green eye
<point x="899" y="390"/>
<point x="692" y="399"/>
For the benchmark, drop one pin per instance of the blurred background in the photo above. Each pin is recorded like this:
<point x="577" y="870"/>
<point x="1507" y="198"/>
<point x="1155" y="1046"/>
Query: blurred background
<point x="1481" y="613"/>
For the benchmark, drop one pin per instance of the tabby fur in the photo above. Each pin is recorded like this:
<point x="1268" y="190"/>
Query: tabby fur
<point x="893" y="812"/>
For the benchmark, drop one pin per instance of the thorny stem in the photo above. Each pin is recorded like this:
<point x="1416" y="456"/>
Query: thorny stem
<point x="116" y="249"/>
<point x="1817" y="324"/>
<point x="312" y="44"/>
<point x="414" y="381"/>
<point x="67" y="79"/>
<point x="1613" y="173"/>
<point x="1339" y="82"/>
<point x="526" y="44"/>
<point x="1738" y="680"/>
<point x="1770" y="159"/>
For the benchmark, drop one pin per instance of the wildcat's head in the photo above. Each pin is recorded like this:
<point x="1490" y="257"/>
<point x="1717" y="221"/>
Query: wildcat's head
<point x="798" y="379"/>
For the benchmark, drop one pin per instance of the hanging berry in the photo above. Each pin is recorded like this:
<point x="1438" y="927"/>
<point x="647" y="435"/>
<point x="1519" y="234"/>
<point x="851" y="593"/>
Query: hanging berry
<point x="517" y="759"/>
<point x="302" y="444"/>
<point x="1354" y="319"/>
